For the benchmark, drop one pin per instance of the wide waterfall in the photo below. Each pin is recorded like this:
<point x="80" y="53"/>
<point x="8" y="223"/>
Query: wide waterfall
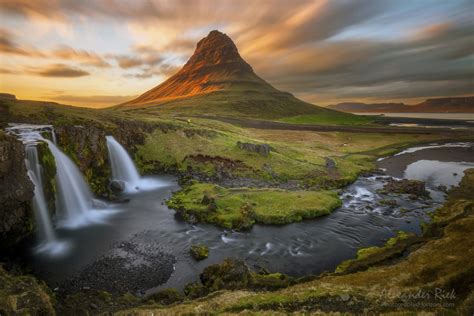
<point x="123" y="168"/>
<point x="74" y="200"/>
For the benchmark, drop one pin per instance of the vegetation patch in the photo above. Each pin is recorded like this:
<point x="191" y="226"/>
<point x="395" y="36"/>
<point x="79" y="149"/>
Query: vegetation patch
<point x="240" y="208"/>
<point x="199" y="252"/>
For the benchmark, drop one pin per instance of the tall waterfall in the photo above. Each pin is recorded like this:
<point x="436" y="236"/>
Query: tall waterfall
<point x="42" y="214"/>
<point x="30" y="135"/>
<point x="74" y="198"/>
<point x="123" y="168"/>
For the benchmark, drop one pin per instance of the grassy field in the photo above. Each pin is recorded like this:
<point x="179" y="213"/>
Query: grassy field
<point x="338" y="118"/>
<point x="242" y="207"/>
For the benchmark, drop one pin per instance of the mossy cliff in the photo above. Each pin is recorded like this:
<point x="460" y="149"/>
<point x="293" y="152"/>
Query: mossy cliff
<point x="48" y="168"/>
<point x="24" y="295"/>
<point x="16" y="191"/>
<point x="431" y="275"/>
<point x="86" y="146"/>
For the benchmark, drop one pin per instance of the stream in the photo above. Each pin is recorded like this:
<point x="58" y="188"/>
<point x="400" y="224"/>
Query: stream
<point x="143" y="247"/>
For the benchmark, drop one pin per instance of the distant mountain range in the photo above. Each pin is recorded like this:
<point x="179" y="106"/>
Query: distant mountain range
<point x="438" y="105"/>
<point x="216" y="80"/>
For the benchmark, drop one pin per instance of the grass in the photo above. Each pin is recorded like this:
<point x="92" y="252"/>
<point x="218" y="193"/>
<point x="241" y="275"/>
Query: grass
<point x="241" y="208"/>
<point x="329" y="118"/>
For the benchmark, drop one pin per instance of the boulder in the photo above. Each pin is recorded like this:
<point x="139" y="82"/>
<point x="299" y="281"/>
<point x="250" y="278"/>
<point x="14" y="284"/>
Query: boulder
<point x="199" y="252"/>
<point x="117" y="186"/>
<point x="405" y="186"/>
<point x="230" y="274"/>
<point x="262" y="149"/>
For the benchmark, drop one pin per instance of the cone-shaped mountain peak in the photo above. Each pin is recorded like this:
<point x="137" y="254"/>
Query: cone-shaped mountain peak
<point x="215" y="65"/>
<point x="216" y="80"/>
<point x="216" y="49"/>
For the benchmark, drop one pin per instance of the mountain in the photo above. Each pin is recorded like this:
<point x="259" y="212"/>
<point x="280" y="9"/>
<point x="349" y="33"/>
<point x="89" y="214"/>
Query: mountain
<point x="216" y="80"/>
<point x="438" y="105"/>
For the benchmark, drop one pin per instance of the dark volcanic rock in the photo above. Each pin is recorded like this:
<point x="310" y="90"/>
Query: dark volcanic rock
<point x="132" y="267"/>
<point x="405" y="186"/>
<point x="16" y="191"/>
<point x="117" y="186"/>
<point x="230" y="274"/>
<point x="262" y="149"/>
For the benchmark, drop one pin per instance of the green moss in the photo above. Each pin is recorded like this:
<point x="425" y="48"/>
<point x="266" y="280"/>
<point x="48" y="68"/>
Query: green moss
<point x="271" y="281"/>
<point x="48" y="167"/>
<point x="166" y="296"/>
<point x="365" y="253"/>
<point x="199" y="252"/>
<point x="24" y="295"/>
<point x="241" y="207"/>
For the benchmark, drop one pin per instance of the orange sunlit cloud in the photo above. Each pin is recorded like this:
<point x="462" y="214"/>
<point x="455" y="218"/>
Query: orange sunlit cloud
<point x="100" y="53"/>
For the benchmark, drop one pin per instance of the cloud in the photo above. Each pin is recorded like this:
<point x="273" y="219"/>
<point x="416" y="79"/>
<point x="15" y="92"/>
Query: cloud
<point x="319" y="48"/>
<point x="83" y="56"/>
<point x="163" y="70"/>
<point x="58" y="70"/>
<point x="9" y="46"/>
<point x="126" y="62"/>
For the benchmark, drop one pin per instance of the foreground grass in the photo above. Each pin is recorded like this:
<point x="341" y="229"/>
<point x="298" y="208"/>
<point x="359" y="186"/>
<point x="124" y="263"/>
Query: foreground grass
<point x="241" y="208"/>
<point x="441" y="264"/>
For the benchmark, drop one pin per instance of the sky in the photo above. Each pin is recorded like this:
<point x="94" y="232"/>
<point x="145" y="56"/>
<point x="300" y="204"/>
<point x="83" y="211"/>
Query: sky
<point x="100" y="53"/>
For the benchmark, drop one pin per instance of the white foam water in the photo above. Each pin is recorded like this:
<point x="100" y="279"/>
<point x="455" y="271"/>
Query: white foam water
<point x="123" y="169"/>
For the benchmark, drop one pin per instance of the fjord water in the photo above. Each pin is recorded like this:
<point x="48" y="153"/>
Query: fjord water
<point x="123" y="168"/>
<point x="298" y="249"/>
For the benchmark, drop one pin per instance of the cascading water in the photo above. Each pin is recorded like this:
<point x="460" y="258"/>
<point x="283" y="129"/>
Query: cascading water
<point x="45" y="227"/>
<point x="74" y="200"/>
<point x="30" y="136"/>
<point x="74" y="195"/>
<point x="75" y="203"/>
<point x="123" y="168"/>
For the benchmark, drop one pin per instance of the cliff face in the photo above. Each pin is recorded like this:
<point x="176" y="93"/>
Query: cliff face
<point x="16" y="191"/>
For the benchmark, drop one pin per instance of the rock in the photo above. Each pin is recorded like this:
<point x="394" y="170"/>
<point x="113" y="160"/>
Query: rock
<point x="414" y="188"/>
<point x="443" y="188"/>
<point x="24" y="295"/>
<point x="117" y="186"/>
<point x="199" y="252"/>
<point x="16" y="191"/>
<point x="330" y="163"/>
<point x="262" y="149"/>
<point x="230" y="274"/>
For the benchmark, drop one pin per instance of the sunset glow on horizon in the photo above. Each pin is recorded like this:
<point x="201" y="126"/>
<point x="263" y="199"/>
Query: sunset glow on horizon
<point x="102" y="53"/>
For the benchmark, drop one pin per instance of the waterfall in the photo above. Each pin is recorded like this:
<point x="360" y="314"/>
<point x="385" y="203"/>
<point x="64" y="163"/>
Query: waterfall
<point x="42" y="214"/>
<point x="123" y="168"/>
<point x="74" y="198"/>
<point x="53" y="136"/>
